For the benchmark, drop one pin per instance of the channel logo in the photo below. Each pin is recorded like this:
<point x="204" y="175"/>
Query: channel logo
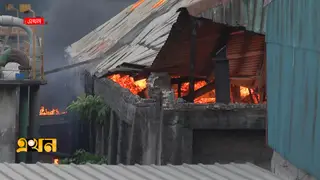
<point x="37" y="145"/>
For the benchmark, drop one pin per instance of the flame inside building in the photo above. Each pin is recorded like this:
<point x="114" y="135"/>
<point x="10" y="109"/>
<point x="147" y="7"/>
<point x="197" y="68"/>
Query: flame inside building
<point x="46" y="112"/>
<point x="246" y="95"/>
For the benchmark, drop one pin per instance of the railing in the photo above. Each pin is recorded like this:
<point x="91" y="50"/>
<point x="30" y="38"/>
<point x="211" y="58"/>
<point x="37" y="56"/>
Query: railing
<point x="36" y="61"/>
<point x="13" y="32"/>
<point x="35" y="72"/>
<point x="36" y="57"/>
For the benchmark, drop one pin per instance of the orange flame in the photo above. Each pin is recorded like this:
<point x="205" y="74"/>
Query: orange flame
<point x="55" y="161"/>
<point x="136" y="87"/>
<point x="45" y="112"/>
<point x="129" y="83"/>
<point x="158" y="4"/>
<point x="209" y="97"/>
<point x="135" y="5"/>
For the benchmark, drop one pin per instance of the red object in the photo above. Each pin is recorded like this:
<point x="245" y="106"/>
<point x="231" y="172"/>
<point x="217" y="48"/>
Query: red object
<point x="34" y="21"/>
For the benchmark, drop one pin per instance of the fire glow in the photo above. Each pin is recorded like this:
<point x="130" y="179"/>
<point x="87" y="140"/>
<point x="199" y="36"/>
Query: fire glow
<point x="129" y="83"/>
<point x="135" y="5"/>
<point x="55" y="161"/>
<point x="135" y="87"/>
<point x="46" y="112"/>
<point x="158" y="4"/>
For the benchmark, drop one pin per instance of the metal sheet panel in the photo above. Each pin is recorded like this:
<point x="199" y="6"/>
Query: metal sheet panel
<point x="126" y="24"/>
<point x="293" y="79"/>
<point x="248" y="13"/>
<point x="42" y="171"/>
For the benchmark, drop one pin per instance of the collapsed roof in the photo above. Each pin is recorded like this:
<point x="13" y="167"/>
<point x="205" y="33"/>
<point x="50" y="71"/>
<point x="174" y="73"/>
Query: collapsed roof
<point x="138" y="33"/>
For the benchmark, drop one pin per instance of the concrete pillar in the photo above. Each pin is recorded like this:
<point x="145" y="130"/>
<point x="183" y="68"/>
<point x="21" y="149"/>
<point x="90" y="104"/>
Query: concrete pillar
<point x="113" y="138"/>
<point x="222" y="80"/>
<point x="23" y="118"/>
<point x="177" y="139"/>
<point x="34" y="104"/>
<point x="9" y="106"/>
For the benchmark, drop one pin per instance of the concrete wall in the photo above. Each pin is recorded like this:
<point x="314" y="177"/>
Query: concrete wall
<point x="134" y="129"/>
<point x="8" y="117"/>
<point x="225" y="146"/>
<point x="286" y="170"/>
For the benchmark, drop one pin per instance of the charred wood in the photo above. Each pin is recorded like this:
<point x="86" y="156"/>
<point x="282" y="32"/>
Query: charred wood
<point x="185" y="80"/>
<point x="203" y="90"/>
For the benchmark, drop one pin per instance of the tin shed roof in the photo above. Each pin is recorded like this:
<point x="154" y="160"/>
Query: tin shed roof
<point x="41" y="171"/>
<point x="136" y="36"/>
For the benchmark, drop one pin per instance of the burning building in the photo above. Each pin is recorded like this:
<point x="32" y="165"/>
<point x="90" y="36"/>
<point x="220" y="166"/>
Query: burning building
<point x="177" y="66"/>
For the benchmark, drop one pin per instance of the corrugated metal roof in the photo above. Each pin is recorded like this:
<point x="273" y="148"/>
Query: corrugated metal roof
<point x="145" y="46"/>
<point x="137" y="36"/>
<point x="41" y="171"/>
<point x="103" y="38"/>
<point x="248" y="13"/>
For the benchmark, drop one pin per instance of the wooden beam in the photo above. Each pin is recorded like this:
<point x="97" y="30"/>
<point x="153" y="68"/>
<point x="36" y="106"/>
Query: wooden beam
<point x="235" y="91"/>
<point x="204" y="89"/>
<point x="185" y="79"/>
<point x="210" y="86"/>
<point x="179" y="89"/>
<point x="193" y="56"/>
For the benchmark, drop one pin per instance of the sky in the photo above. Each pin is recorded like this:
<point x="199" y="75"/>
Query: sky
<point x="68" y="21"/>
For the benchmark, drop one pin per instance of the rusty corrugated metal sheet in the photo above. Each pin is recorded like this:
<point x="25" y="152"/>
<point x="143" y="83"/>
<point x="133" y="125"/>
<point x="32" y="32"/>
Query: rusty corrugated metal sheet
<point x="174" y="57"/>
<point x="246" y="52"/>
<point x="293" y="80"/>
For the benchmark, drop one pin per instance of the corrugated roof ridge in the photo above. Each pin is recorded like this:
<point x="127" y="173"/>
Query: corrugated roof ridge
<point x="129" y="17"/>
<point x="144" y="37"/>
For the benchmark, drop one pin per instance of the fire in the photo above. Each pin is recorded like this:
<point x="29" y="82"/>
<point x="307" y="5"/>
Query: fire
<point x="45" y="112"/>
<point x="246" y="95"/>
<point x="129" y="83"/>
<point x="55" y="161"/>
<point x="158" y="4"/>
<point x="135" y="5"/>
<point x="206" y="98"/>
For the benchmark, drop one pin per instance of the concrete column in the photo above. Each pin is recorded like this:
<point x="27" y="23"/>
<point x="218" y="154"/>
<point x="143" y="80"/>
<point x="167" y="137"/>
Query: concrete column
<point x="113" y="137"/>
<point x="9" y="106"/>
<point x="23" y="118"/>
<point x="177" y="139"/>
<point x="34" y="114"/>
<point x="119" y="142"/>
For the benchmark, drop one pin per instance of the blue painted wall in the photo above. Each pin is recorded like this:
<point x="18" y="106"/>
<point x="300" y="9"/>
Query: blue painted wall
<point x="293" y="81"/>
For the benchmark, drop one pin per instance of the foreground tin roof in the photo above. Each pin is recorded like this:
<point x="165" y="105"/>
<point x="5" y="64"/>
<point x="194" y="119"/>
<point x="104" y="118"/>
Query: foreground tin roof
<point x="41" y="171"/>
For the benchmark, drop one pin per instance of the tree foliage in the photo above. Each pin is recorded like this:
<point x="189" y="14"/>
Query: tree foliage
<point x="91" y="108"/>
<point x="83" y="157"/>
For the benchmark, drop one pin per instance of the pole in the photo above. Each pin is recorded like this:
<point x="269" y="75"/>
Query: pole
<point x="193" y="54"/>
<point x="42" y="55"/>
<point x="34" y="49"/>
<point x="18" y="35"/>
<point x="34" y="53"/>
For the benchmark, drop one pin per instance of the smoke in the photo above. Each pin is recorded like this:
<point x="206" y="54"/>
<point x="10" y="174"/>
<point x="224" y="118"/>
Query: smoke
<point x="68" y="21"/>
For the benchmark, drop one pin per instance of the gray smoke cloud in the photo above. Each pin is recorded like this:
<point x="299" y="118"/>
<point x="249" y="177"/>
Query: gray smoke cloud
<point x="68" y="21"/>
